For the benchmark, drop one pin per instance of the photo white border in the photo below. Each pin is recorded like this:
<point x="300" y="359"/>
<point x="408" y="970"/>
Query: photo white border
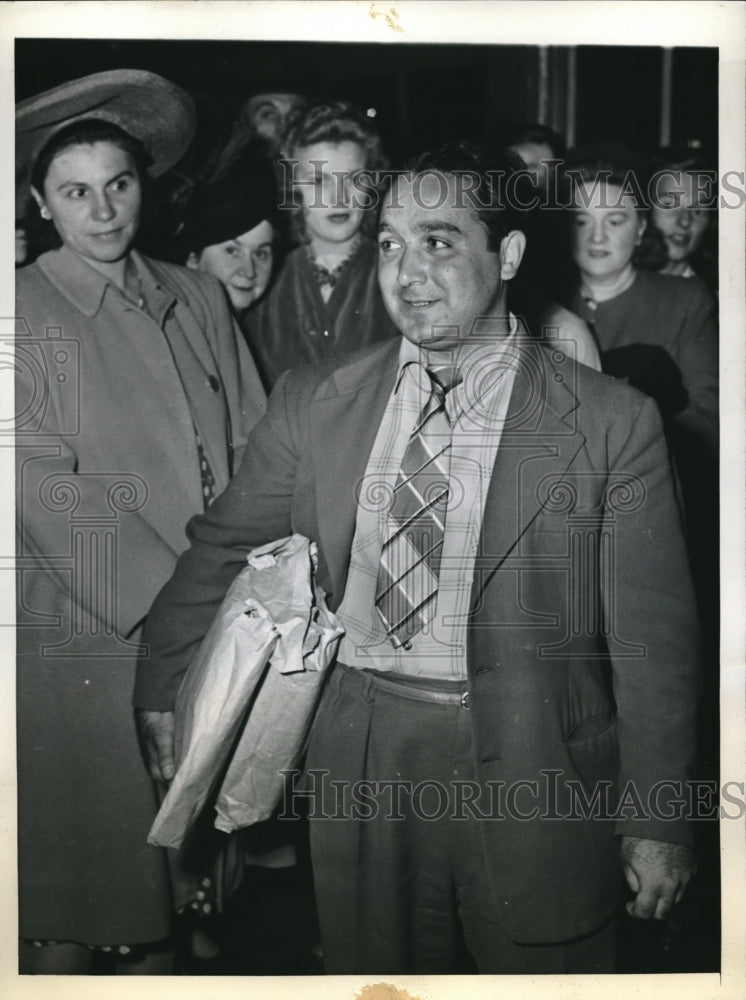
<point x="530" y="23"/>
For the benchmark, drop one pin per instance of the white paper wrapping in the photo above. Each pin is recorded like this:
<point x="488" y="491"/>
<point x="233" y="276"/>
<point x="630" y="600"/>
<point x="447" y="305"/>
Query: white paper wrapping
<point x="247" y="700"/>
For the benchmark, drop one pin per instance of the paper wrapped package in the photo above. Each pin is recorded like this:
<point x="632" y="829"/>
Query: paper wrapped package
<point x="247" y="700"/>
<point x="276" y="729"/>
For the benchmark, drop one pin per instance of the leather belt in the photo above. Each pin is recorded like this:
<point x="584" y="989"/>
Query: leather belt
<point x="429" y="689"/>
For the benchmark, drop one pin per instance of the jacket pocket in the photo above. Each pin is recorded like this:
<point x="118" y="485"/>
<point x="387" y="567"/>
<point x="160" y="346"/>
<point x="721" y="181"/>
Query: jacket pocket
<point x="594" y="751"/>
<point x="591" y="728"/>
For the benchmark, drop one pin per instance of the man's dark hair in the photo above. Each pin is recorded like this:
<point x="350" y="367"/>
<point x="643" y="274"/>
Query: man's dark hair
<point x="524" y="134"/>
<point x="489" y="167"/>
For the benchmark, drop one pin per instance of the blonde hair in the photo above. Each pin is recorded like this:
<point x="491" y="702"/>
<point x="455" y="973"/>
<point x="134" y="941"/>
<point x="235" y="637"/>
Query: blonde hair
<point x="332" y="122"/>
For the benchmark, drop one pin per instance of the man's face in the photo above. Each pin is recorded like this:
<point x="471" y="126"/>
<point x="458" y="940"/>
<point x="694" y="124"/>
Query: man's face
<point x="268" y="115"/>
<point x="436" y="272"/>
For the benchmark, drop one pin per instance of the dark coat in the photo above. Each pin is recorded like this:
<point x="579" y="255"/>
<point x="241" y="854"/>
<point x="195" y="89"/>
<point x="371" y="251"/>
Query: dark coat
<point x="677" y="316"/>
<point x="294" y="326"/>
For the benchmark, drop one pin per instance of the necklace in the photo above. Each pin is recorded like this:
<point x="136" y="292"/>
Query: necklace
<point x="330" y="276"/>
<point x="593" y="300"/>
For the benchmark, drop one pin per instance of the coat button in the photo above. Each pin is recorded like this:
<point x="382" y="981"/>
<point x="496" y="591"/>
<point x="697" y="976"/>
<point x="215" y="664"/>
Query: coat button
<point x="465" y="700"/>
<point x="214" y="383"/>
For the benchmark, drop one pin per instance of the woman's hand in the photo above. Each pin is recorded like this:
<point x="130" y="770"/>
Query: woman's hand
<point x="155" y="733"/>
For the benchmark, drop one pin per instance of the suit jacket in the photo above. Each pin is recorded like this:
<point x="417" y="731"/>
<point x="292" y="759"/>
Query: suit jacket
<point x="582" y="642"/>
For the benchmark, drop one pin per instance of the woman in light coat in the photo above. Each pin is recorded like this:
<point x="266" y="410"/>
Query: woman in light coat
<point x="132" y="412"/>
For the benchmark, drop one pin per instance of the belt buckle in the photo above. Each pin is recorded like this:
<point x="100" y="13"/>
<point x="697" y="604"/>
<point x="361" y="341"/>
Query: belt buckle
<point x="465" y="700"/>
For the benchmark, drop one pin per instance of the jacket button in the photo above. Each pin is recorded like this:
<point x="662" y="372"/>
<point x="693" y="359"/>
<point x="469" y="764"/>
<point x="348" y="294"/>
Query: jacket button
<point x="214" y="383"/>
<point x="465" y="700"/>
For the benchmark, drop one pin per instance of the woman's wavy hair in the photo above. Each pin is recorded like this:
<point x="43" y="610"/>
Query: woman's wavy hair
<point x="615" y="163"/>
<point x="704" y="260"/>
<point x="331" y="121"/>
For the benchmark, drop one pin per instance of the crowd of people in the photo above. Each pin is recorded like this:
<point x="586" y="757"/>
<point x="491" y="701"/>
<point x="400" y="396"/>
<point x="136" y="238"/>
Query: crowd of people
<point x="185" y="288"/>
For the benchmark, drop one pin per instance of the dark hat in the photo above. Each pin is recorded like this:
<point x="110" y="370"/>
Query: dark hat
<point x="271" y="77"/>
<point x="232" y="205"/>
<point x="154" y="110"/>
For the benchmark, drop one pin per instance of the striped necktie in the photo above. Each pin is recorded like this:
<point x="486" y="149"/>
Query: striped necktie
<point x="407" y="585"/>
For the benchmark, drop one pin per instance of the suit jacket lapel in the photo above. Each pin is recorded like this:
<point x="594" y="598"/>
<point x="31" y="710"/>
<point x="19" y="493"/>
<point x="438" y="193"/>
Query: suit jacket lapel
<point x="344" y="423"/>
<point x="540" y="437"/>
<point x="538" y="444"/>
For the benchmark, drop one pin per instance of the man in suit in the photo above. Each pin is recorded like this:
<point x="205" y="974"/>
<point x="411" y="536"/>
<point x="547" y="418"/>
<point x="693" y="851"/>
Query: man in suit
<point x="514" y="699"/>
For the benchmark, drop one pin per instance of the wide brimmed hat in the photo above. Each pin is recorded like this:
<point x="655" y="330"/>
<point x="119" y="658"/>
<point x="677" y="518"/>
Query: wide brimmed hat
<point x="232" y="205"/>
<point x="154" y="110"/>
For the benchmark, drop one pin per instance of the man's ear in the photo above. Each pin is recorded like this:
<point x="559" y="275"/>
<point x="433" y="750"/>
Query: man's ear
<point x="192" y="261"/>
<point x="512" y="248"/>
<point x="43" y="210"/>
<point x="642" y="225"/>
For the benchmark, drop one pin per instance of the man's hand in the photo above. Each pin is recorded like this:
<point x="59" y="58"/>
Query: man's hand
<point x="155" y="731"/>
<point x="658" y="873"/>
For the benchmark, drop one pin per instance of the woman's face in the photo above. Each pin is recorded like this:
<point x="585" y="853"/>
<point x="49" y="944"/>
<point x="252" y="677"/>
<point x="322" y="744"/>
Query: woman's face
<point x="243" y="264"/>
<point x="92" y="194"/>
<point x="324" y="187"/>
<point x="606" y="228"/>
<point x="677" y="214"/>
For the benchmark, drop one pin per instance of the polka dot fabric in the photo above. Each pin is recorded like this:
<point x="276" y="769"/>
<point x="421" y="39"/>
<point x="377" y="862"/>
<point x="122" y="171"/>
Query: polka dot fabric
<point x="208" y="480"/>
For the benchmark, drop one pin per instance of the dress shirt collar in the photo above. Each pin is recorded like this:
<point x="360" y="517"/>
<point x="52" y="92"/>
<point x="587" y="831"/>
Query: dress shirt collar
<point x="484" y="349"/>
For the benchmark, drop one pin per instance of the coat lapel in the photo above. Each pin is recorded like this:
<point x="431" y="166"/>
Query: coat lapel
<point x="538" y="444"/>
<point x="540" y="439"/>
<point x="192" y="324"/>
<point x="344" y="423"/>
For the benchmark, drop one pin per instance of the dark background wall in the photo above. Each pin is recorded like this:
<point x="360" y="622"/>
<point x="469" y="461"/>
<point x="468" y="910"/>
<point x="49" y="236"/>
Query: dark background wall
<point x="422" y="93"/>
